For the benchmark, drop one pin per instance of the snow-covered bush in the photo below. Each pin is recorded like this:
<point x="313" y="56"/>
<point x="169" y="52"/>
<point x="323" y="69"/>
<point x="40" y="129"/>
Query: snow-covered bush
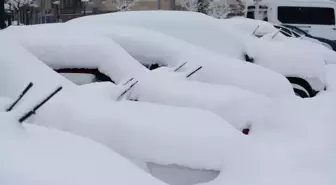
<point x="218" y="9"/>
<point x="124" y="5"/>
<point x="190" y="5"/>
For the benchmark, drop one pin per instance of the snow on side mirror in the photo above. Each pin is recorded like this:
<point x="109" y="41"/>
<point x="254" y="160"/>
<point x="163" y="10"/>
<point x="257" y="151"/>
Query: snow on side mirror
<point x="255" y="30"/>
<point x="194" y="71"/>
<point x="34" y="109"/>
<point x="126" y="90"/>
<point x="23" y="93"/>
<point x="180" y="66"/>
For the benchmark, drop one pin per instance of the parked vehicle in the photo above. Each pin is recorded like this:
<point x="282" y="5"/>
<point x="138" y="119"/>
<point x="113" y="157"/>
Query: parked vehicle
<point x="314" y="17"/>
<point x="147" y="134"/>
<point x="101" y="53"/>
<point x="294" y="31"/>
<point x="223" y="40"/>
<point x="32" y="154"/>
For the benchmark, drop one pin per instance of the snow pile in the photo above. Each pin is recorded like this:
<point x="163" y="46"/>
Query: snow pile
<point x="250" y="26"/>
<point x="331" y="77"/>
<point x="238" y="106"/>
<point x="148" y="132"/>
<point x="126" y="127"/>
<point x="33" y="155"/>
<point x="307" y="44"/>
<point x="195" y="28"/>
<point x="150" y="47"/>
<point x="293" y="145"/>
<point x="13" y="66"/>
<point x="289" y="60"/>
<point x="74" y="49"/>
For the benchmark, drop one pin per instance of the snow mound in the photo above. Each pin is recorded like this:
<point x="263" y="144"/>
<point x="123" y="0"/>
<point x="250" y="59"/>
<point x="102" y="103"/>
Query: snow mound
<point x="293" y="145"/>
<point x="13" y="66"/>
<point x="33" y="155"/>
<point x="250" y="25"/>
<point x="59" y="49"/>
<point x="150" y="47"/>
<point x="193" y="27"/>
<point x="289" y="60"/>
<point x="309" y="45"/>
<point x="238" y="106"/>
<point x="148" y="132"/>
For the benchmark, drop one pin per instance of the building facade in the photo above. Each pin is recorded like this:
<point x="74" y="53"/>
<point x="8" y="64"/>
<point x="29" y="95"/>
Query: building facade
<point x="67" y="9"/>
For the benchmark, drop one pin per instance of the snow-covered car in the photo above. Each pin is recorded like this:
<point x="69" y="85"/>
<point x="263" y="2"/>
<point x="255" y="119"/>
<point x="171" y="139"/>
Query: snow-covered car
<point x="156" y="49"/>
<point x="139" y="131"/>
<point x="293" y="143"/>
<point x="260" y="28"/>
<point x="209" y="33"/>
<point x="237" y="106"/>
<point x="32" y="154"/>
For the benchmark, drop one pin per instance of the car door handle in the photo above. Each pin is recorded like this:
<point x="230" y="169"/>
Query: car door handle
<point x="334" y="28"/>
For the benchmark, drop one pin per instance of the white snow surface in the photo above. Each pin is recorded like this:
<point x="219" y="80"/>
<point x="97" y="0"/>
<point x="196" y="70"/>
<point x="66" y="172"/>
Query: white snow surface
<point x="289" y="58"/>
<point x="331" y="77"/>
<point x="206" y="32"/>
<point x="149" y="47"/>
<point x="15" y="75"/>
<point x="148" y="132"/>
<point x="146" y="46"/>
<point x="193" y="27"/>
<point x="126" y="127"/>
<point x="294" y="144"/>
<point x="250" y="25"/>
<point x="34" y="155"/>
<point x="74" y="49"/>
<point x="309" y="45"/>
<point x="240" y="107"/>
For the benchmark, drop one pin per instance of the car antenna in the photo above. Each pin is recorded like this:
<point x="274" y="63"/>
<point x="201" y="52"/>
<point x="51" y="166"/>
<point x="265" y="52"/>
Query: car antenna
<point x="33" y="111"/>
<point x="23" y="93"/>
<point x="126" y="90"/>
<point x="180" y="66"/>
<point x="194" y="71"/>
<point x="255" y="30"/>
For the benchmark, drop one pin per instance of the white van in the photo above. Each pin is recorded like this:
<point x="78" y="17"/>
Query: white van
<point x="315" y="17"/>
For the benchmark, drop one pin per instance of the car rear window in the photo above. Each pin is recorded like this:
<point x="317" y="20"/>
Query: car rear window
<point x="306" y="15"/>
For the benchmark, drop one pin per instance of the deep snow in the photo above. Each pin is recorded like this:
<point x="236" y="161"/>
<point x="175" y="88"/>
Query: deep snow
<point x="34" y="155"/>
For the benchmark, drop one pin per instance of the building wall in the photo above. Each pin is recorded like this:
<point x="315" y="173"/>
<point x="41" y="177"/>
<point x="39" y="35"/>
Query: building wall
<point x="106" y="5"/>
<point x="140" y="5"/>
